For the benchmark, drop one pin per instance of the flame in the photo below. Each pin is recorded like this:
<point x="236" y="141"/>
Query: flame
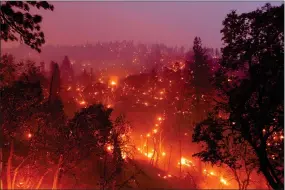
<point x="109" y="148"/>
<point x="113" y="83"/>
<point x="223" y="181"/>
<point x="185" y="162"/>
<point x="212" y="173"/>
<point x="124" y="155"/>
<point x="82" y="102"/>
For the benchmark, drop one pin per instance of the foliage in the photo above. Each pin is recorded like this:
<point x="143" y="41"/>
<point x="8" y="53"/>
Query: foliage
<point x="16" y="21"/>
<point x="251" y="80"/>
<point x="39" y="135"/>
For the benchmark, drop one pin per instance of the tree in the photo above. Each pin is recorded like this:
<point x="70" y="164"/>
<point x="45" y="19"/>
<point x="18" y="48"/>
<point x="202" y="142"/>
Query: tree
<point x="21" y="24"/>
<point x="7" y="70"/>
<point x="200" y="80"/>
<point x="20" y="104"/>
<point x="251" y="81"/>
<point x="54" y="83"/>
<point x="67" y="74"/>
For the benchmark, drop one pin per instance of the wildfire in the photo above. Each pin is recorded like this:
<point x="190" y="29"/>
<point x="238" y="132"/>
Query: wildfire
<point x="113" y="83"/>
<point x="109" y="148"/>
<point x="185" y="162"/>
<point x="82" y="102"/>
<point x="223" y="181"/>
<point x="155" y="131"/>
<point x="124" y="155"/>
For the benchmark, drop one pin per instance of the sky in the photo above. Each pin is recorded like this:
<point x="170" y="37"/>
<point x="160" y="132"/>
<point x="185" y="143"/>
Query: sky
<point x="172" y="23"/>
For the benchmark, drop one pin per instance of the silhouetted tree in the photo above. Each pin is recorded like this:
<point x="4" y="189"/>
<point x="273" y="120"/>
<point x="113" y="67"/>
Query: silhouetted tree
<point x="8" y="70"/>
<point x="200" y="81"/>
<point x="251" y="80"/>
<point x="66" y="71"/>
<point x="54" y="83"/>
<point x="21" y="24"/>
<point x="20" y="104"/>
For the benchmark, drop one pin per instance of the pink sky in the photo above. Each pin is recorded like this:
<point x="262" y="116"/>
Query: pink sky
<point x="172" y="23"/>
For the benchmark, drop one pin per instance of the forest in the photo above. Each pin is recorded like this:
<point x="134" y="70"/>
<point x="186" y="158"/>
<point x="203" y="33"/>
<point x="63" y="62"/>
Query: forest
<point x="120" y="115"/>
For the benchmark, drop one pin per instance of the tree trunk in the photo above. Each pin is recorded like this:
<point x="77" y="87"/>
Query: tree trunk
<point x="9" y="165"/>
<point x="170" y="152"/>
<point x="1" y="168"/>
<point x="57" y="173"/>
<point x="268" y="172"/>
<point x="16" y="172"/>
<point x="41" y="180"/>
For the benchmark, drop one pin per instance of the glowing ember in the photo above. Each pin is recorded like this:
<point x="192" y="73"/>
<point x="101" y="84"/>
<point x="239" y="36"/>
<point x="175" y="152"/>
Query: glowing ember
<point x="163" y="154"/>
<point x="109" y="148"/>
<point x="159" y="118"/>
<point x="113" y="83"/>
<point x="82" y="102"/>
<point x="149" y="155"/>
<point x="212" y="173"/>
<point x="148" y="135"/>
<point x="124" y="155"/>
<point x="68" y="88"/>
<point x="185" y="162"/>
<point x="30" y="135"/>
<point x="155" y="131"/>
<point x="223" y="181"/>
